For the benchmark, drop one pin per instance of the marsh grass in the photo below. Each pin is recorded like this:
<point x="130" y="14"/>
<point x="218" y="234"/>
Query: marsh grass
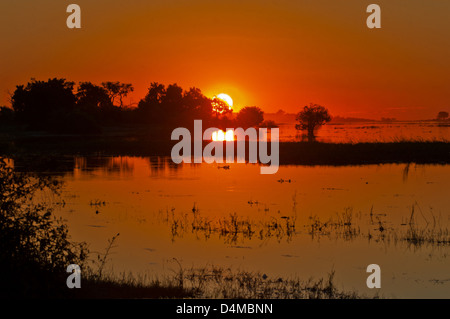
<point x="378" y="229"/>
<point x="432" y="233"/>
<point x="209" y="282"/>
<point x="232" y="228"/>
<point x="346" y="225"/>
<point x="434" y="236"/>
<point x="128" y="286"/>
<point x="340" y="226"/>
<point x="219" y="282"/>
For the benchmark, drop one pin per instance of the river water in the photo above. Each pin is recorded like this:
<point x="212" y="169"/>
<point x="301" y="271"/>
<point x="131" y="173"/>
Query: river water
<point x="165" y="211"/>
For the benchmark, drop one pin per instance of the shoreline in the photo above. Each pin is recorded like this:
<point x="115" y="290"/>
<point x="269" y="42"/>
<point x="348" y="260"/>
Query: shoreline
<point x="291" y="153"/>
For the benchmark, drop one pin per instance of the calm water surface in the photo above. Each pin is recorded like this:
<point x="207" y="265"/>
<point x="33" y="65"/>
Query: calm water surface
<point x="153" y="204"/>
<point x="373" y="132"/>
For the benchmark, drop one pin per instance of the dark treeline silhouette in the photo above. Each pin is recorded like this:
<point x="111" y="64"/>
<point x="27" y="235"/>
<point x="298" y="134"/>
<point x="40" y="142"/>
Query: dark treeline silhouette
<point x="172" y="106"/>
<point x="59" y="106"/>
<point x="54" y="106"/>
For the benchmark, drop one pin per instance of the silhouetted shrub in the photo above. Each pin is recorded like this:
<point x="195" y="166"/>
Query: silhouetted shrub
<point x="269" y="124"/>
<point x="34" y="246"/>
<point x="250" y="116"/>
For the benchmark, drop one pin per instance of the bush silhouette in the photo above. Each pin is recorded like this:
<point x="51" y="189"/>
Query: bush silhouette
<point x="250" y="116"/>
<point x="34" y="246"/>
<point x="92" y="100"/>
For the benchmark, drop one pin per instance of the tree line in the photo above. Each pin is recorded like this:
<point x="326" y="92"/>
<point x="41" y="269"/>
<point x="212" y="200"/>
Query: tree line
<point x="58" y="105"/>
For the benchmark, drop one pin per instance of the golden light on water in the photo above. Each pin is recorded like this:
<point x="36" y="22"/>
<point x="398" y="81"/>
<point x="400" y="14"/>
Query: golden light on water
<point x="220" y="136"/>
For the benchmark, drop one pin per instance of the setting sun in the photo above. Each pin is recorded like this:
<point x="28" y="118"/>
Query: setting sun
<point x="226" y="98"/>
<point x="222" y="103"/>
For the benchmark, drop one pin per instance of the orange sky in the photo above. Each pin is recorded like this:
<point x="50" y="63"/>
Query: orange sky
<point x="272" y="54"/>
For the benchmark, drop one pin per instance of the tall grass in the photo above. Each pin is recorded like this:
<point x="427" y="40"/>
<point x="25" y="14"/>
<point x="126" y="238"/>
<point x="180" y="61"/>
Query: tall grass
<point x="431" y="233"/>
<point x="219" y="282"/>
<point x="345" y="225"/>
<point x="232" y="228"/>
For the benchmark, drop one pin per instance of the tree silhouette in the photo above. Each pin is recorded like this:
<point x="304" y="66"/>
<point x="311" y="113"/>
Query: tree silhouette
<point x="250" y="116"/>
<point x="220" y="107"/>
<point x="311" y="118"/>
<point x="150" y="108"/>
<point x="173" y="99"/>
<point x="92" y="98"/>
<point x="53" y="106"/>
<point x="172" y="105"/>
<point x="155" y="94"/>
<point x="117" y="90"/>
<point x="442" y="116"/>
<point x="199" y="106"/>
<point x="150" y="105"/>
<point x="39" y="101"/>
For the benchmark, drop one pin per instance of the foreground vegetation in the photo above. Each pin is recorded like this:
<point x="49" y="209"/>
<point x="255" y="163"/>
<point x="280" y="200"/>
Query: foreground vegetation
<point x="212" y="282"/>
<point x="34" y="247"/>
